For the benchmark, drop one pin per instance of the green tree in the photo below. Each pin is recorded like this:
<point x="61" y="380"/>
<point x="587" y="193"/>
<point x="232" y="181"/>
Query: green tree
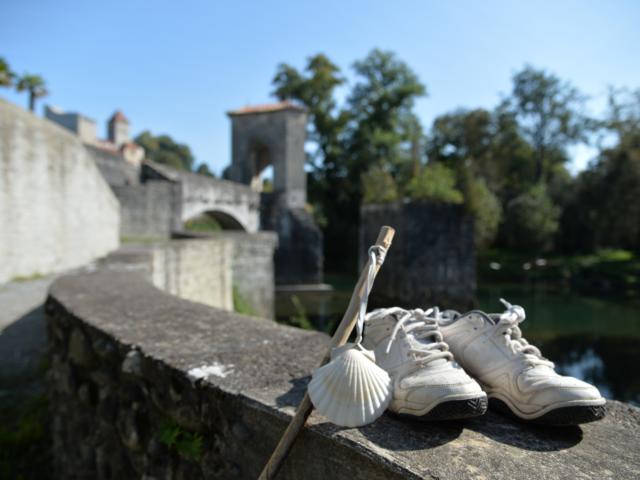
<point x="164" y="150"/>
<point x="623" y="115"/>
<point x="6" y="75"/>
<point x="315" y="88"/>
<point x="550" y="115"/>
<point x="603" y="210"/>
<point x="203" y="169"/>
<point x="489" y="144"/>
<point x="375" y="127"/>
<point x="35" y="85"/>
<point x="533" y="221"/>
<point x="483" y="205"/>
<point x="379" y="186"/>
<point x="380" y="131"/>
<point x="381" y="104"/>
<point x="435" y="183"/>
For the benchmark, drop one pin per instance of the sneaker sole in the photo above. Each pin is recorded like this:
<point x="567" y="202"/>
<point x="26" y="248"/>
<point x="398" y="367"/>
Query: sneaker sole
<point x="562" y="416"/>
<point x="452" y="410"/>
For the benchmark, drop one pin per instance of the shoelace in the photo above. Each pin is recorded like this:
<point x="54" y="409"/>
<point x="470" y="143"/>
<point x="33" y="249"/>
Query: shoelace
<point x="511" y="318"/>
<point x="422" y="326"/>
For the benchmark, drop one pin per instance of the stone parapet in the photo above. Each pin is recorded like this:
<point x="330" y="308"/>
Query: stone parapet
<point x="147" y="385"/>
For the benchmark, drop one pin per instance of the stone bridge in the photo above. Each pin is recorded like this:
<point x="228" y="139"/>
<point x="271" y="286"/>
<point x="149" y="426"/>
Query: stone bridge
<point x="234" y="205"/>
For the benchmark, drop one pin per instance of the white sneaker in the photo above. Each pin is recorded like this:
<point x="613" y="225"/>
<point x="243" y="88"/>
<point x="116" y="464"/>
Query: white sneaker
<point x="427" y="383"/>
<point x="515" y="375"/>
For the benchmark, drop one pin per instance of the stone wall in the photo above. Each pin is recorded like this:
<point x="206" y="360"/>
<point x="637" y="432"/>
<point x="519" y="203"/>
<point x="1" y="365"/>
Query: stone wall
<point x="56" y="211"/>
<point x="200" y="270"/>
<point x="299" y="258"/>
<point x="432" y="259"/>
<point x="145" y="385"/>
<point x="252" y="267"/>
<point x="146" y="209"/>
<point x="115" y="170"/>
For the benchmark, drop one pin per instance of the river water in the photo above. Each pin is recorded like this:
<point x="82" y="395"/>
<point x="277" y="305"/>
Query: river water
<point x="596" y="340"/>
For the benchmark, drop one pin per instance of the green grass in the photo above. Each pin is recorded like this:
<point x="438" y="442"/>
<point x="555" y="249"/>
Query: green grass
<point x="241" y="304"/>
<point x="203" y="223"/>
<point x="187" y="444"/>
<point x="299" y="319"/>
<point x="606" y="272"/>
<point x="27" y="278"/>
<point x="140" y="240"/>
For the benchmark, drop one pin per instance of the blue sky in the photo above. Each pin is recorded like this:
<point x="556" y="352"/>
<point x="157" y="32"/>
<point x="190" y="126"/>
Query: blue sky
<point x="177" y="67"/>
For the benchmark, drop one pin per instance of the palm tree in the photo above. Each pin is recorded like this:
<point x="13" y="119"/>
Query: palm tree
<point x="6" y="75"/>
<point x="36" y="87"/>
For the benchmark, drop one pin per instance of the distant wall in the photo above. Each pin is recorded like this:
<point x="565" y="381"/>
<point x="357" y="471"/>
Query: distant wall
<point x="252" y="267"/>
<point x="299" y="257"/>
<point x="432" y="259"/>
<point x="82" y="126"/>
<point x="146" y="208"/>
<point x="116" y="171"/>
<point x="253" y="272"/>
<point x="56" y="211"/>
<point x="197" y="269"/>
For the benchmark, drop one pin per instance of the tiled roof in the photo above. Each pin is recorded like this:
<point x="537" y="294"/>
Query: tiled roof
<point x="267" y="108"/>
<point x="118" y="116"/>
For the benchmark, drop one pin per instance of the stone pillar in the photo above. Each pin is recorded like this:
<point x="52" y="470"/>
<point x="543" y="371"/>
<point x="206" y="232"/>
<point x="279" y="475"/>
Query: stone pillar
<point x="274" y="135"/>
<point x="432" y="259"/>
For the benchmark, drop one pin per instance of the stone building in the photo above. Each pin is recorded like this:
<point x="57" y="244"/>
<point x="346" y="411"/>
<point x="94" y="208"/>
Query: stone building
<point x="83" y="127"/>
<point x="274" y="135"/>
<point x="157" y="200"/>
<point x="117" y="145"/>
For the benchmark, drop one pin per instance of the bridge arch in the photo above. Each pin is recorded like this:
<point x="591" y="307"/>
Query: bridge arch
<point x="212" y="220"/>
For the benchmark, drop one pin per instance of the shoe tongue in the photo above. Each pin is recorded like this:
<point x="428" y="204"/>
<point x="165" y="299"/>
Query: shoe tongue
<point x="419" y="342"/>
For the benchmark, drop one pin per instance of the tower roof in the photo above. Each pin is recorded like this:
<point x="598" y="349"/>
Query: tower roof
<point x="267" y="108"/>
<point x="118" y="116"/>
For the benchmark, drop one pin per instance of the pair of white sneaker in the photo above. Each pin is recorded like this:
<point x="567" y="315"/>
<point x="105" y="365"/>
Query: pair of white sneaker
<point x="432" y="356"/>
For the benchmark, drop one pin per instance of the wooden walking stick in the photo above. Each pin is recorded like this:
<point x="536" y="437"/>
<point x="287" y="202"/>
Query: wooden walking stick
<point x="385" y="237"/>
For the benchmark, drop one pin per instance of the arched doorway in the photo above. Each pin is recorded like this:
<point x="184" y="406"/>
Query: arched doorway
<point x="261" y="167"/>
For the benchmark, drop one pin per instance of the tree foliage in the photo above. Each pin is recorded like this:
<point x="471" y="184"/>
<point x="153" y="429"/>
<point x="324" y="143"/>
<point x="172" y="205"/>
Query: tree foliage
<point x="533" y="221"/>
<point x="6" y="75"/>
<point x="203" y="169"/>
<point x="164" y="150"/>
<point x="506" y="165"/>
<point x="549" y="113"/>
<point x="379" y="186"/>
<point x="603" y="208"/>
<point x="34" y="85"/>
<point x="374" y="127"/>
<point x="435" y="183"/>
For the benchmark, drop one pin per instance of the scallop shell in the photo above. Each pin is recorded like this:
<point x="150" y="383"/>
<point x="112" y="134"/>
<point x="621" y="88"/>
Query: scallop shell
<point x="350" y="390"/>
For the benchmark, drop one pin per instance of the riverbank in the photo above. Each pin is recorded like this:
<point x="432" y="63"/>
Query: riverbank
<point x="607" y="273"/>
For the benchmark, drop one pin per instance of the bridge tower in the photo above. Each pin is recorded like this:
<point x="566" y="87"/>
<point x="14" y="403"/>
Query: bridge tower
<point x="274" y="135"/>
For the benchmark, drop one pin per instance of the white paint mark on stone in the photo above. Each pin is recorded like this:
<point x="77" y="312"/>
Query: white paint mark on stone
<point x="205" y="371"/>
